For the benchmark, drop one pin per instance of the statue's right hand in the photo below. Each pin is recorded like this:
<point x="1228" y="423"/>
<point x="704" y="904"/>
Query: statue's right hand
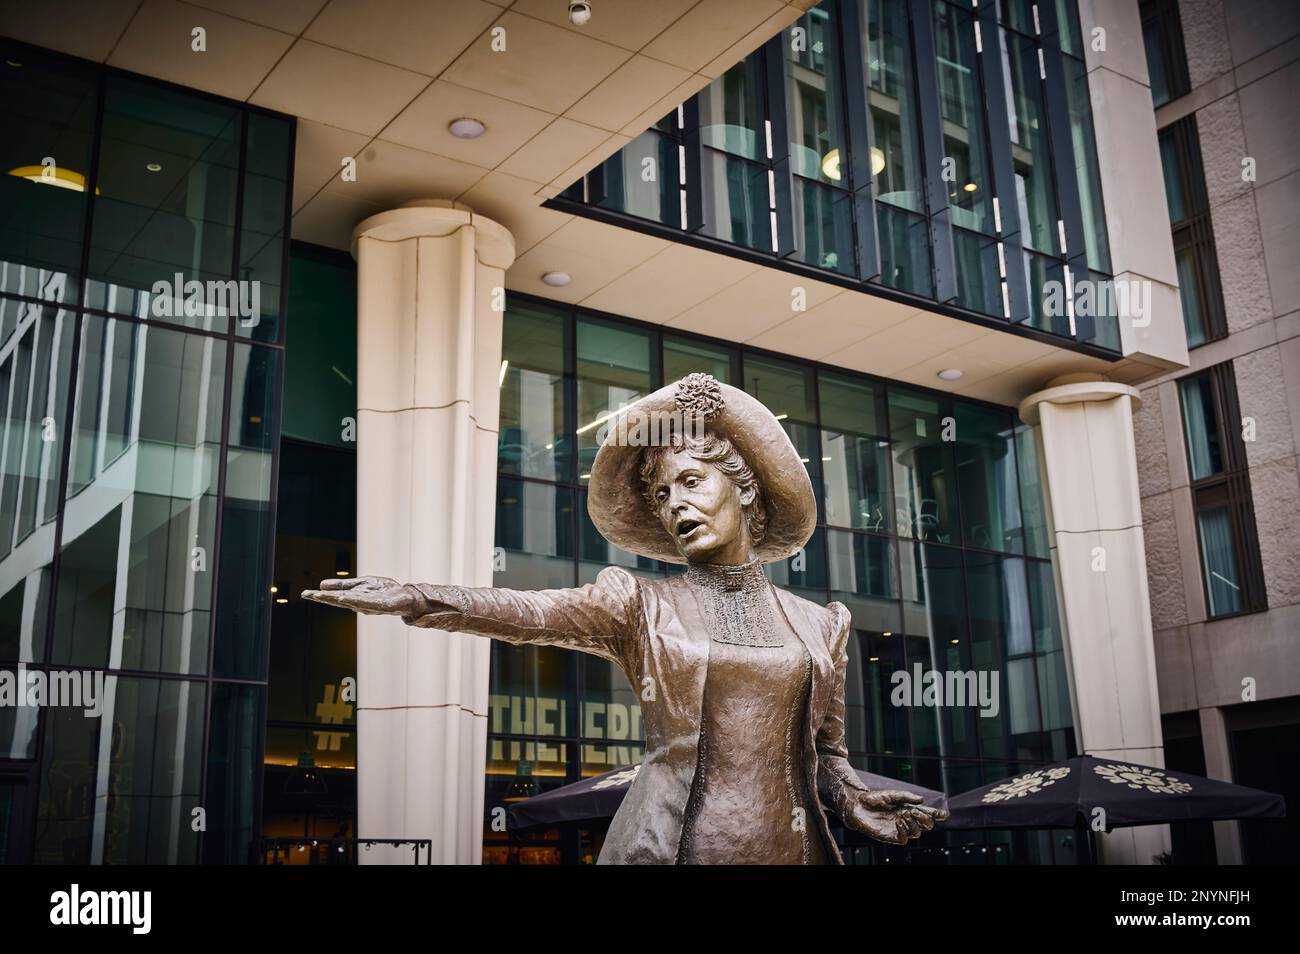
<point x="376" y="595"/>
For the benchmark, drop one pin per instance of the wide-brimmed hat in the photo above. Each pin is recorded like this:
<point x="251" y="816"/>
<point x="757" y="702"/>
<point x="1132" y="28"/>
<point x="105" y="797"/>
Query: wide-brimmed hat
<point x="698" y="402"/>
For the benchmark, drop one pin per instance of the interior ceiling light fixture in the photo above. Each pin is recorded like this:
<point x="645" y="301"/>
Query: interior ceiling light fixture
<point x="950" y="374"/>
<point x="153" y="166"/>
<point x="52" y="176"/>
<point x="466" y="128"/>
<point x="831" y="163"/>
<point x="579" y="12"/>
<point x="557" y="279"/>
<point x="970" y="187"/>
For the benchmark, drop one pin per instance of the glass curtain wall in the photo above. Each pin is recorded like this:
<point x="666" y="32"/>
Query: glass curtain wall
<point x="309" y="768"/>
<point x="930" y="529"/>
<point x="938" y="150"/>
<point x="142" y="242"/>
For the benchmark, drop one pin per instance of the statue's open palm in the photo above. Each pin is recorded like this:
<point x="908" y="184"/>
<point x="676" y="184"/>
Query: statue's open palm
<point x="375" y="595"/>
<point x="891" y="816"/>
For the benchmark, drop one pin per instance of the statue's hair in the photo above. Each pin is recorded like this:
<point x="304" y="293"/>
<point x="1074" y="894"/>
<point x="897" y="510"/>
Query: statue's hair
<point x="719" y="452"/>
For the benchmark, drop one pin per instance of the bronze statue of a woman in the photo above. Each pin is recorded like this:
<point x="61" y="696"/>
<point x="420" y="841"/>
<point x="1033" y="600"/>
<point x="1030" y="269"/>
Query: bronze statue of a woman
<point x="741" y="683"/>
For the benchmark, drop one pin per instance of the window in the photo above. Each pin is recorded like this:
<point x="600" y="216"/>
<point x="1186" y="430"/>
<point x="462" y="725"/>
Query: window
<point x="643" y="178"/>
<point x="1162" y="35"/>
<point x="822" y="219"/>
<point x="1221" y="498"/>
<point x="896" y="159"/>
<point x="971" y="191"/>
<point x="1189" y="212"/>
<point x="937" y="152"/>
<point x="139" y="445"/>
<point x="735" y="157"/>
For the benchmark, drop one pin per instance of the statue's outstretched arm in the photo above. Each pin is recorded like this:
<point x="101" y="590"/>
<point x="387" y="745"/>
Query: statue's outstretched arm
<point x="602" y="618"/>
<point x="889" y="816"/>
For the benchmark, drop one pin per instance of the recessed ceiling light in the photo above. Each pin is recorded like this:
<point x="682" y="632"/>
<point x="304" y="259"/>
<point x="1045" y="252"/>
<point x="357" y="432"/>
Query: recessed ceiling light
<point x="14" y="63"/>
<point x="466" y="128"/>
<point x="970" y="187"/>
<point x="154" y="166"/>
<point x="557" y="279"/>
<point x="950" y="374"/>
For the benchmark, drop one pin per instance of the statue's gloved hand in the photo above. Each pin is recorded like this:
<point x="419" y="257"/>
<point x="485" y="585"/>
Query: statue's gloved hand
<point x="376" y="595"/>
<point x="891" y="816"/>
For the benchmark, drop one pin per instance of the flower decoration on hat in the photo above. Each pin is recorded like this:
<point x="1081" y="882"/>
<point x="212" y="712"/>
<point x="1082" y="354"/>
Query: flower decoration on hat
<point x="699" y="395"/>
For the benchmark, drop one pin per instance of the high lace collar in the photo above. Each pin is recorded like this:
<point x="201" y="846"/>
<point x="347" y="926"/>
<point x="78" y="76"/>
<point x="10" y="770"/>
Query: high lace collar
<point x="746" y="577"/>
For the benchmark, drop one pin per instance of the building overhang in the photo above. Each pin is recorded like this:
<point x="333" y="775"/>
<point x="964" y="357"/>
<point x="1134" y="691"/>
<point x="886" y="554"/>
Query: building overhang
<point x="380" y="82"/>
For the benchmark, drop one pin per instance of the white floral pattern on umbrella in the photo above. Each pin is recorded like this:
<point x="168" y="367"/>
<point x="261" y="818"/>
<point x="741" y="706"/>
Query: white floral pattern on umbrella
<point x="624" y="777"/>
<point x="1023" y="785"/>
<point x="1135" y="776"/>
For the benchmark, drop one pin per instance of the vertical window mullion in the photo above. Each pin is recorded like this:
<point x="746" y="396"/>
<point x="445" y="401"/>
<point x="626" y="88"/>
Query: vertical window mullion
<point x="778" y="158"/>
<point x="1241" y="500"/>
<point x="693" y="146"/>
<point x="1004" y="173"/>
<point x="1213" y="317"/>
<point x="595" y="185"/>
<point x="858" y="105"/>
<point x="1060" y="141"/>
<point x="939" y="218"/>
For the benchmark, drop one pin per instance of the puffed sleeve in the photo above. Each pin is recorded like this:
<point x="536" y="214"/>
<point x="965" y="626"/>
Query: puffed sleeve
<point x="602" y="618"/>
<point x="836" y="779"/>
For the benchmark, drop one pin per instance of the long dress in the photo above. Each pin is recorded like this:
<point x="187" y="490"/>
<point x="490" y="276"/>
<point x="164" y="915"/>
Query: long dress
<point x="751" y="802"/>
<point x="724" y="633"/>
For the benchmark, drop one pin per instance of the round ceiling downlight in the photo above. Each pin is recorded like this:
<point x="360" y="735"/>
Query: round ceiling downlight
<point x="466" y="128"/>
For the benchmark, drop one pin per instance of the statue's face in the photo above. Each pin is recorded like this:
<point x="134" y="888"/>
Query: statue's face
<point x="702" y="510"/>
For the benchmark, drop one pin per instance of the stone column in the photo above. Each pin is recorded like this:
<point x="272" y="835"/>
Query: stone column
<point x="430" y="283"/>
<point x="1085" y="438"/>
<point x="1228" y="847"/>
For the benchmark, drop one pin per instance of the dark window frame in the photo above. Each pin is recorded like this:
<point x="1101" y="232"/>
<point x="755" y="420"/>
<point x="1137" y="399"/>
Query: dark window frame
<point x="1162" y="17"/>
<point x="1230" y="486"/>
<point x="1195" y="231"/>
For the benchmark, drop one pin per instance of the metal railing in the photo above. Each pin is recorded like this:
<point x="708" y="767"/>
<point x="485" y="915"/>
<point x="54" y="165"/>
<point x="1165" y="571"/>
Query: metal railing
<point x="338" y="851"/>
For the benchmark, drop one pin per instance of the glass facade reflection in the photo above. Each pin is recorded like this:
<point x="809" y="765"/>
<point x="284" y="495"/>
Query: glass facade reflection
<point x="930" y="529"/>
<point x="138" y="446"/>
<point x="309" y="771"/>
<point x="939" y="152"/>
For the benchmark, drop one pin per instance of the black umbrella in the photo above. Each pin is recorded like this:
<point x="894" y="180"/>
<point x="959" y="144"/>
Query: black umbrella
<point x="598" y="798"/>
<point x="1065" y="795"/>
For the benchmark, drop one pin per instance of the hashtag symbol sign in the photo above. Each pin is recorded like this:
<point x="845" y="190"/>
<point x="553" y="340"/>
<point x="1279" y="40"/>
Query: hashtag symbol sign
<point x="331" y="711"/>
